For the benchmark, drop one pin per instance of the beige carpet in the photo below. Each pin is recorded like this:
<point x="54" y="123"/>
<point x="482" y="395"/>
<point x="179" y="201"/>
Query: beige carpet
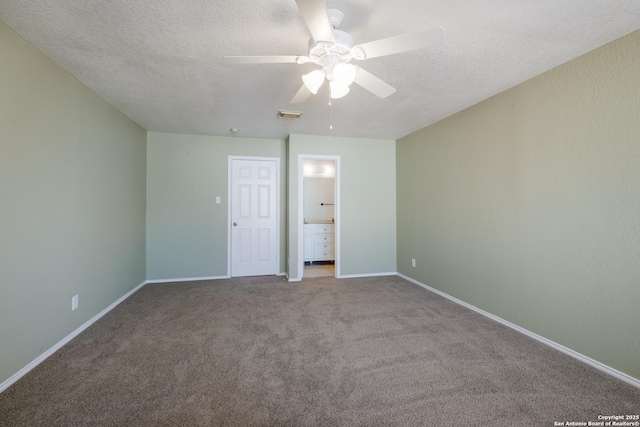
<point x="321" y="352"/>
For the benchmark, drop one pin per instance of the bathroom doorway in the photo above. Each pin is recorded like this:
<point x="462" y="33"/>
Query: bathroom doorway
<point x="320" y="240"/>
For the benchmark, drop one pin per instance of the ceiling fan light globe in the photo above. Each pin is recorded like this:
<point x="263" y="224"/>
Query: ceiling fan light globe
<point x="344" y="74"/>
<point x="313" y="80"/>
<point x="338" y="90"/>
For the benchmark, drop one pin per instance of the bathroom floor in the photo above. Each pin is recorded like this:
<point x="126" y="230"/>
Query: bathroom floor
<point x="319" y="269"/>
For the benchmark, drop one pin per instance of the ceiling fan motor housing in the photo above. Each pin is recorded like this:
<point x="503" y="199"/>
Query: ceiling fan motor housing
<point x="335" y="17"/>
<point x="342" y="45"/>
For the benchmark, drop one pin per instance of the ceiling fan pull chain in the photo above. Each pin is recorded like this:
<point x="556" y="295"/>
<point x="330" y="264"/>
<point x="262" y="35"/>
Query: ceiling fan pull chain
<point x="330" y="116"/>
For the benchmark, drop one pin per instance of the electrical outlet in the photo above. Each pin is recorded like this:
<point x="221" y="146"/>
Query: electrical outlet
<point x="74" y="302"/>
<point x="413" y="262"/>
<point x="218" y="200"/>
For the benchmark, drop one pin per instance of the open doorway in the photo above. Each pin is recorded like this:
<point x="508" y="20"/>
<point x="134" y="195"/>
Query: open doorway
<point x="319" y="216"/>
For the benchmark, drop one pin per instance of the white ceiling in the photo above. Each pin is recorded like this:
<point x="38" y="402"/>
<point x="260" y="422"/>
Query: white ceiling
<point x="161" y="61"/>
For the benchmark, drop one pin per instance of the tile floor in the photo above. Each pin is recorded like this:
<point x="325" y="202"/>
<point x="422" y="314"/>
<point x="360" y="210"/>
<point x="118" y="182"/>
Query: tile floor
<point x="319" y="269"/>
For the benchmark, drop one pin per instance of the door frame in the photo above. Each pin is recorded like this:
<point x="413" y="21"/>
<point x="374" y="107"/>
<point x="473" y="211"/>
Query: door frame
<point x="230" y="160"/>
<point x="301" y="158"/>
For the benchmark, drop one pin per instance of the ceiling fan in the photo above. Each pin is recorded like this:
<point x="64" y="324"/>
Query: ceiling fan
<point x="333" y="50"/>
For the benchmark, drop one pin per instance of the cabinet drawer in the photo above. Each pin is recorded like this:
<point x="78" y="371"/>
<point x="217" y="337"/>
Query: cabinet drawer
<point x="324" y="257"/>
<point x="324" y="251"/>
<point x="324" y="228"/>
<point x="324" y="238"/>
<point x="323" y="247"/>
<point x="309" y="229"/>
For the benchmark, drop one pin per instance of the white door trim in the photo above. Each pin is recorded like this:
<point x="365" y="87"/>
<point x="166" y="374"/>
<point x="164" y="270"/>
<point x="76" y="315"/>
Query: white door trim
<point x="301" y="158"/>
<point x="229" y="192"/>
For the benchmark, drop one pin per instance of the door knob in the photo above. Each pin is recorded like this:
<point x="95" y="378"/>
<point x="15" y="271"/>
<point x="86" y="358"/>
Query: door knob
<point x="235" y="224"/>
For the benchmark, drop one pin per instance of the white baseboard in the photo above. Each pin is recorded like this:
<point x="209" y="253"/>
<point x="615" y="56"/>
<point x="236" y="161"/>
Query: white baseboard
<point x="353" y="276"/>
<point x="187" y="279"/>
<point x="581" y="357"/>
<point x="38" y="360"/>
<point x="195" y="279"/>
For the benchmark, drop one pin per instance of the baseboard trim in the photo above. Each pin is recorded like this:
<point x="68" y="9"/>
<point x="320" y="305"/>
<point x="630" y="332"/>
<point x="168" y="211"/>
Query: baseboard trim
<point x="38" y="360"/>
<point x="186" y="279"/>
<point x="353" y="276"/>
<point x="579" y="356"/>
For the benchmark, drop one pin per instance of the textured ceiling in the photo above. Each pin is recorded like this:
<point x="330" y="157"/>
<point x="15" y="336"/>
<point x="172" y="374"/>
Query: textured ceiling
<point x="160" y="62"/>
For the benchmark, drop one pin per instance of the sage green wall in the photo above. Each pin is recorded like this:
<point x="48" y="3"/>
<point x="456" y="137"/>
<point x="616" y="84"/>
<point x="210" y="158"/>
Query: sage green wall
<point x="527" y="205"/>
<point x="72" y="203"/>
<point x="186" y="229"/>
<point x="367" y="201"/>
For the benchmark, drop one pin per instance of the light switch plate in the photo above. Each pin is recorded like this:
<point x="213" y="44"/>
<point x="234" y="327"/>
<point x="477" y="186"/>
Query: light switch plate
<point x="218" y="200"/>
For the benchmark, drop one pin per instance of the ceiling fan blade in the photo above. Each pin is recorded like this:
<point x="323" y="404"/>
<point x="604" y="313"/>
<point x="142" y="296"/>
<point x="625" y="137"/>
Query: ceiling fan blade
<point x="314" y="13"/>
<point x="373" y="84"/>
<point x="432" y="37"/>
<point x="301" y="96"/>
<point x="290" y="59"/>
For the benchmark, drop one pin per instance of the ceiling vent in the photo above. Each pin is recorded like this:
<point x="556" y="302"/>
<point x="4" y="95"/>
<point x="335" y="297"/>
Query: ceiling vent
<point x="282" y="114"/>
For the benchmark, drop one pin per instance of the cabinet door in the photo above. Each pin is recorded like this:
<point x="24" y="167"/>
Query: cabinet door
<point x="308" y="247"/>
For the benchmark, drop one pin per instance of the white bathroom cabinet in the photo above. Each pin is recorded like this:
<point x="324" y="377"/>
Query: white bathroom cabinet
<point x="319" y="242"/>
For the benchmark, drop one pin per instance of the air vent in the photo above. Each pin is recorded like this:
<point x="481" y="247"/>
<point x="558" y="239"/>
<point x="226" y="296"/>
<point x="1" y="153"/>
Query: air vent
<point x="282" y="114"/>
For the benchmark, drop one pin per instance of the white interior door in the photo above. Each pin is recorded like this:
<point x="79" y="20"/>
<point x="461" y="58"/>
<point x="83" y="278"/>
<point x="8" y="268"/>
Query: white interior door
<point x="254" y="222"/>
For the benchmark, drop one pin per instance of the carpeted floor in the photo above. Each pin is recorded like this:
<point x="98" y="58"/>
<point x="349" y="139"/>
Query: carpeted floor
<point x="321" y="352"/>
